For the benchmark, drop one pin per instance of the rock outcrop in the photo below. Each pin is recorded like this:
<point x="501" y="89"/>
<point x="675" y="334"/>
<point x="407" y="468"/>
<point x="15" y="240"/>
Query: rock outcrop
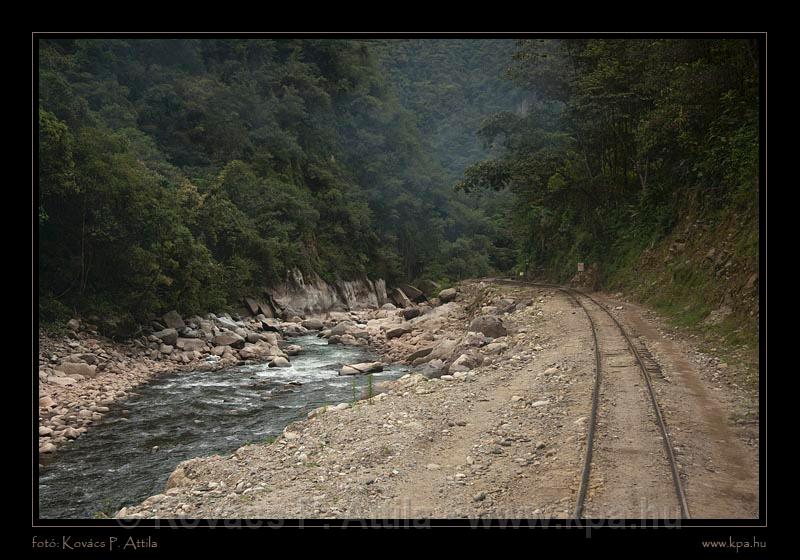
<point x="308" y="294"/>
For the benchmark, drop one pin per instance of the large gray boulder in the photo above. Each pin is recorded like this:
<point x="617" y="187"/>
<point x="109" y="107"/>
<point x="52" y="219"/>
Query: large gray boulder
<point x="412" y="292"/>
<point x="443" y="349"/>
<point x="421" y="353"/>
<point x="411" y="312"/>
<point x="345" y="327"/>
<point x="398" y="331"/>
<point x="361" y="369"/>
<point x="191" y="344"/>
<point x="464" y="362"/>
<point x="167" y="336"/>
<point x="313" y="324"/>
<point x="229" y="339"/>
<point x="432" y="369"/>
<point x="448" y="295"/>
<point x="489" y="325"/>
<point x="173" y="320"/>
<point x="226" y="323"/>
<point x="400" y="298"/>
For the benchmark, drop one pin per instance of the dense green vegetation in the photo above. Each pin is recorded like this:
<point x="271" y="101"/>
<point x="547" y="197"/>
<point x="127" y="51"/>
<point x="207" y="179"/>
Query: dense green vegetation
<point x="640" y="158"/>
<point x="182" y="173"/>
<point x="622" y="137"/>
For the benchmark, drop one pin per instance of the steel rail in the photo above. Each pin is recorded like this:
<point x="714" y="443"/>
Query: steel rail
<point x="673" y="464"/>
<point x="587" y="464"/>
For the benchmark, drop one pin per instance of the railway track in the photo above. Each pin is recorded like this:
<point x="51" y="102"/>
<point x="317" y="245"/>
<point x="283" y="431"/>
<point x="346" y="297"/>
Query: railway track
<point x="611" y="347"/>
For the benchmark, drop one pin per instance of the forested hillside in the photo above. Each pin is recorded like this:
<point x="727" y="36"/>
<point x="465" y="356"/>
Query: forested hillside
<point x="181" y="173"/>
<point x="451" y="86"/>
<point x="641" y="158"/>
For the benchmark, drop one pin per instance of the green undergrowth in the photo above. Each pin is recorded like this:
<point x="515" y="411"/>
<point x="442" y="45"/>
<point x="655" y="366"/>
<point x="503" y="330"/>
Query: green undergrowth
<point x="703" y="279"/>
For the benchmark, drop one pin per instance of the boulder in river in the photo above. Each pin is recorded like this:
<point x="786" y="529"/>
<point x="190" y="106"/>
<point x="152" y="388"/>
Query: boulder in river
<point x="362" y="368"/>
<point x="280" y="361"/>
<point x="293" y="349"/>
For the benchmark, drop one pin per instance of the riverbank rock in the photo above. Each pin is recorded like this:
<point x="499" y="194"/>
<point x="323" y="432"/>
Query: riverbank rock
<point x="495" y="347"/>
<point x="448" y="295"/>
<point x="443" y="350"/>
<point x="464" y="362"/>
<point x="361" y="369"/>
<point x="293" y="329"/>
<point x="429" y="287"/>
<point x="177" y="478"/>
<point x="400" y="298"/>
<point x="489" y="325"/>
<point x="413" y="293"/>
<point x="313" y="324"/>
<point x="73" y="369"/>
<point x="191" y="344"/>
<point x="411" y="312"/>
<point x="345" y="327"/>
<point x="226" y="323"/>
<point x="46" y="402"/>
<point x="421" y="353"/>
<point x="167" y="336"/>
<point x="431" y="370"/>
<point x="173" y="320"/>
<point x="229" y="339"/>
<point x="398" y="331"/>
<point x="280" y="361"/>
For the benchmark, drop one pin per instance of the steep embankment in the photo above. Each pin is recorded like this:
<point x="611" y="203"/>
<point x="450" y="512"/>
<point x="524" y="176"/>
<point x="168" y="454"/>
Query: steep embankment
<point x="704" y="277"/>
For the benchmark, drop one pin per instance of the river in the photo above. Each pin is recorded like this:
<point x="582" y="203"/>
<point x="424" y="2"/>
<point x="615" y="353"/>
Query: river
<point x="129" y="455"/>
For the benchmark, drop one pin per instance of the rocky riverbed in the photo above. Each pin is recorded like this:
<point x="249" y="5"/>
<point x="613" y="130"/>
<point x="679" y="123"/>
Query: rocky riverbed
<point x="344" y="447"/>
<point x="489" y="421"/>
